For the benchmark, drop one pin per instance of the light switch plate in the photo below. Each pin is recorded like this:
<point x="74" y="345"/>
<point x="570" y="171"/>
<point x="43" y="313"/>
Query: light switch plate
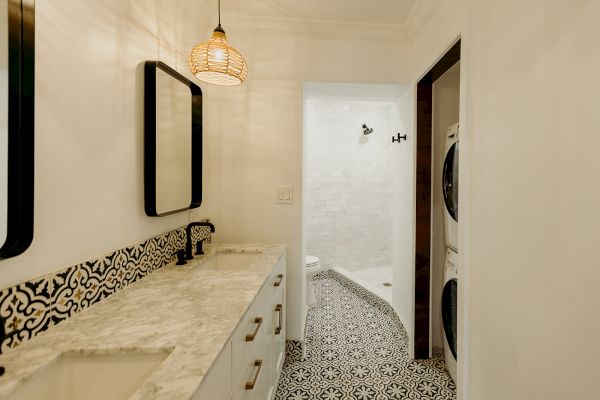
<point x="284" y="195"/>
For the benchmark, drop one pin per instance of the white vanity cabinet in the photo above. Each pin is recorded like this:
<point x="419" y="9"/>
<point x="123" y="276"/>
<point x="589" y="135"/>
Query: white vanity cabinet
<point x="249" y="366"/>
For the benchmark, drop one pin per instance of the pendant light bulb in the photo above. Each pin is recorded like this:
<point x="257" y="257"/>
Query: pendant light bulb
<point x="216" y="61"/>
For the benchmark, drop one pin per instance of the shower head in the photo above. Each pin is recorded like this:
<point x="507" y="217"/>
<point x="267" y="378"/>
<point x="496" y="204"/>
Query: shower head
<point x="367" y="130"/>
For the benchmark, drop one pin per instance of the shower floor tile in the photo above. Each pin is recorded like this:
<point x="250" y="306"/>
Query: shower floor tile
<point x="356" y="349"/>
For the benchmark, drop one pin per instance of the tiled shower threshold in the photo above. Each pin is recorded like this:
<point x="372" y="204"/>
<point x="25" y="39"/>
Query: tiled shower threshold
<point x="381" y="291"/>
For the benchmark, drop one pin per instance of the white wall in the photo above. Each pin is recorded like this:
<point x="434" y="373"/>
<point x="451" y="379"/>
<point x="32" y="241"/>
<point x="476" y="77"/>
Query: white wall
<point x="534" y="262"/>
<point x="253" y="137"/>
<point x="89" y="134"/>
<point x="348" y="175"/>
<point x="403" y="214"/>
<point x="528" y="200"/>
<point x="445" y="113"/>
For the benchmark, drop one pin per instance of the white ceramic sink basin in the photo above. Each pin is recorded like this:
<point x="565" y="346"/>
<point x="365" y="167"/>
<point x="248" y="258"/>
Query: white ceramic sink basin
<point x="90" y="376"/>
<point x="229" y="261"/>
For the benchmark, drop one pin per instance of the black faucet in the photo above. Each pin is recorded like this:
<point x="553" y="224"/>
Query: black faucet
<point x="188" y="234"/>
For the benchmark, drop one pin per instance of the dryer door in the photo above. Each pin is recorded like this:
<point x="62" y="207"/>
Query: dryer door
<point x="449" y="313"/>
<point x="450" y="181"/>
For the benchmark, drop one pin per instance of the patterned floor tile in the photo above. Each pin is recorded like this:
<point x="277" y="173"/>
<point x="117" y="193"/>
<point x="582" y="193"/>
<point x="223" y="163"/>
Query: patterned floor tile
<point x="356" y="349"/>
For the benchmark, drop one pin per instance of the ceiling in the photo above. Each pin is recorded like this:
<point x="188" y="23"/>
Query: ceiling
<point x="396" y="12"/>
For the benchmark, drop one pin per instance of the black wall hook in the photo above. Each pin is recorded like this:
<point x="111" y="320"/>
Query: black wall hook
<point x="398" y="138"/>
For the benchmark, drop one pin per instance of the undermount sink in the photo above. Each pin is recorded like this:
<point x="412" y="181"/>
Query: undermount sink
<point x="91" y="376"/>
<point x="229" y="261"/>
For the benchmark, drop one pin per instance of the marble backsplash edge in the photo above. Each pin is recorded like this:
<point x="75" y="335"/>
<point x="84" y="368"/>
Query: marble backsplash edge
<point x="32" y="307"/>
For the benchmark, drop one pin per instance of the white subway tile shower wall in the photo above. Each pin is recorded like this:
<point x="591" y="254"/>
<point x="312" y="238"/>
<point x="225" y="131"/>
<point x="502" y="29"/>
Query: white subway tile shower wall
<point x="349" y="181"/>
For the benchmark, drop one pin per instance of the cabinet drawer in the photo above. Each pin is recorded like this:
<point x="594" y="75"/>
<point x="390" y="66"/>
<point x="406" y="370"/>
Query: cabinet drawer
<point x="279" y="331"/>
<point x="253" y="325"/>
<point x="255" y="372"/>
<point x="278" y="276"/>
<point x="277" y="304"/>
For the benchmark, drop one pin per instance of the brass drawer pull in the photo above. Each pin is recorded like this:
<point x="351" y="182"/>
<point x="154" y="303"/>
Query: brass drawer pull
<point x="250" y="336"/>
<point x="278" y="283"/>
<point x="279" y="310"/>
<point x="250" y="385"/>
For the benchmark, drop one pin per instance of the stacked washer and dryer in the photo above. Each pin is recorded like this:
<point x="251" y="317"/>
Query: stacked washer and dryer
<point x="450" y="287"/>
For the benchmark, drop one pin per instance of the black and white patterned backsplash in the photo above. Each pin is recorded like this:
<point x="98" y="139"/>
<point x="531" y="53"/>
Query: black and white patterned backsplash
<point x="32" y="307"/>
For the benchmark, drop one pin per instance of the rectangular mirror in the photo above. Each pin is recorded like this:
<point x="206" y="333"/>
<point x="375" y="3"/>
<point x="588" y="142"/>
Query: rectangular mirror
<point x="17" y="55"/>
<point x="173" y="141"/>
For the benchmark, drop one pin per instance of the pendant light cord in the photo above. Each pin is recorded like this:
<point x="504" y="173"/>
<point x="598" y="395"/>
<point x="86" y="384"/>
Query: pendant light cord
<point x="219" y="28"/>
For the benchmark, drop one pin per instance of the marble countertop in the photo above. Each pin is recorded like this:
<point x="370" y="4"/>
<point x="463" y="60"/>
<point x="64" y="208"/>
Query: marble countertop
<point x="182" y="309"/>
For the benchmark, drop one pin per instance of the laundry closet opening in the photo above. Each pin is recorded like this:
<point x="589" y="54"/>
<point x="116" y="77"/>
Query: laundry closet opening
<point x="358" y="187"/>
<point x="437" y="195"/>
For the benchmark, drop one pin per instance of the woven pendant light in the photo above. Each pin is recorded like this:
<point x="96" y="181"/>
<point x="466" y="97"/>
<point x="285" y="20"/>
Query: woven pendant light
<point x="216" y="61"/>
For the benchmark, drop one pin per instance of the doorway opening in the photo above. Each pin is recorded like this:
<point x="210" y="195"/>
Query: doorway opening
<point x="431" y="235"/>
<point x="357" y="186"/>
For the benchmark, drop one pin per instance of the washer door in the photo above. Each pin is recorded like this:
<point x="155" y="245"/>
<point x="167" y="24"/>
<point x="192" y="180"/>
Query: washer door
<point x="449" y="313"/>
<point x="450" y="181"/>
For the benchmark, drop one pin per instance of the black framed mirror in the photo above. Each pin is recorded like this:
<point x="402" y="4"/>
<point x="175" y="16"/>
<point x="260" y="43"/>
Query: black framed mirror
<point x="17" y="58"/>
<point x="172" y="141"/>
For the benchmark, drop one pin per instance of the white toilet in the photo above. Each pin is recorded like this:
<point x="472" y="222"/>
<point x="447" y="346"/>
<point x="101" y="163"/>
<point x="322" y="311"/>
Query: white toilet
<point x="313" y="265"/>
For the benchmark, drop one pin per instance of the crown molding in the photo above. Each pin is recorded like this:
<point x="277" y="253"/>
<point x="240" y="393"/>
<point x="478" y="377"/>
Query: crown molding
<point x="422" y="12"/>
<point x="290" y="27"/>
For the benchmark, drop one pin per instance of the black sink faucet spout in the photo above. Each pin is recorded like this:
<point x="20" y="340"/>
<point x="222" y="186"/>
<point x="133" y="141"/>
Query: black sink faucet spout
<point x="188" y="235"/>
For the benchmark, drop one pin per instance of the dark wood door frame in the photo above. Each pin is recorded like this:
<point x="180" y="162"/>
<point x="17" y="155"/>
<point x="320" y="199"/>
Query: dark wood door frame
<point x="423" y="199"/>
